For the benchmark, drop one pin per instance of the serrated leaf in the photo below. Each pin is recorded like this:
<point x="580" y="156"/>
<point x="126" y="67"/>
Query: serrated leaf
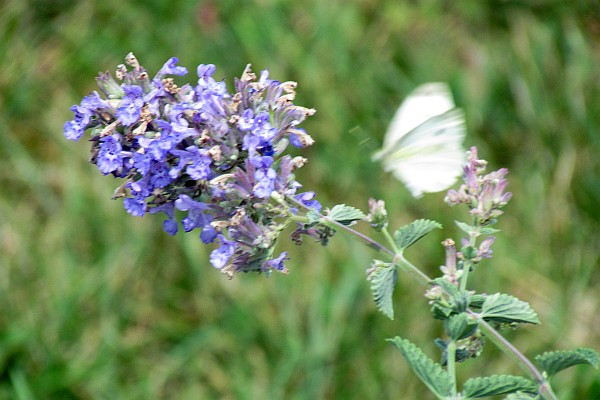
<point x="345" y="214"/>
<point x="383" y="280"/>
<point x="504" y="308"/>
<point x="555" y="361"/>
<point x="521" y="396"/>
<point x="409" y="234"/>
<point x="432" y="374"/>
<point x="497" y="384"/>
<point x="460" y="326"/>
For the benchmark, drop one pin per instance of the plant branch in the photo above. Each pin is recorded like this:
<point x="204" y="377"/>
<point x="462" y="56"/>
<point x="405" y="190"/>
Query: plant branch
<point x="402" y="262"/>
<point x="501" y="342"/>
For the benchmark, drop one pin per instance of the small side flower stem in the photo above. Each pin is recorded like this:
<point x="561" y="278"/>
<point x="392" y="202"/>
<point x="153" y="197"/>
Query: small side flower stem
<point x="403" y="263"/>
<point x="520" y="358"/>
<point x="363" y="238"/>
<point x="411" y="269"/>
<point x="451" y="363"/>
<point x="339" y="226"/>
<point x="390" y="240"/>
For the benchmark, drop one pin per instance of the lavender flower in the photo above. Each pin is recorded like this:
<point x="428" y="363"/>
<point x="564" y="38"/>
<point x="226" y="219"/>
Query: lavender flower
<point x="215" y="156"/>
<point x="484" y="194"/>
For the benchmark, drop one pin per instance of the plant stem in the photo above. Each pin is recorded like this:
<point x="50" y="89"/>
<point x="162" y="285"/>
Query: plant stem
<point x="390" y="240"/>
<point x="339" y="226"/>
<point x="451" y="363"/>
<point x="403" y="263"/>
<point x="408" y="267"/>
<point x="520" y="358"/>
<point x="492" y="334"/>
<point x="363" y="238"/>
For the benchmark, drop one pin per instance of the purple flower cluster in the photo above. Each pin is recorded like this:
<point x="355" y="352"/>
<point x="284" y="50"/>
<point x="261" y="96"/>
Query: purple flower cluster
<point x="217" y="157"/>
<point x="484" y="194"/>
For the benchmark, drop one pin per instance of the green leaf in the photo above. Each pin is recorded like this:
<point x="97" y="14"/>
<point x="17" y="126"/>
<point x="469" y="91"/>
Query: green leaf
<point x="383" y="277"/>
<point x="497" y="384"/>
<point x="409" y="234"/>
<point x="477" y="300"/>
<point x="504" y="308"/>
<point x="521" y="396"/>
<point x="432" y="374"/>
<point x="555" y="361"/>
<point x="345" y="214"/>
<point x="488" y="231"/>
<point x="466" y="228"/>
<point x="460" y="326"/>
<point x="446" y="286"/>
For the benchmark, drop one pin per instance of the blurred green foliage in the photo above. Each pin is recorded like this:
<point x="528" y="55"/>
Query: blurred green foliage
<point x="100" y="305"/>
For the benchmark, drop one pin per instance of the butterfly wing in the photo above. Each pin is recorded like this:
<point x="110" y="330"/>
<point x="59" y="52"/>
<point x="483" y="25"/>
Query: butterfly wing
<point x="428" y="158"/>
<point x="423" y="103"/>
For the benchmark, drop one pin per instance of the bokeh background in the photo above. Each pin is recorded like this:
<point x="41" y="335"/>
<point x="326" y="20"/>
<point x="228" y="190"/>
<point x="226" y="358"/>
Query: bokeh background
<point x="96" y="304"/>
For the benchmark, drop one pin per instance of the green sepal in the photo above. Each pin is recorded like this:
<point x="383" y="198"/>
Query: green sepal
<point x="504" y="308"/>
<point x="555" y="361"/>
<point x="469" y="252"/>
<point x="431" y="373"/>
<point x="460" y="326"/>
<point x="496" y="385"/>
<point x="456" y="301"/>
<point x="313" y="216"/>
<point x="409" y="234"/>
<point x="460" y="355"/>
<point x="345" y="214"/>
<point x="383" y="278"/>
<point x="466" y="228"/>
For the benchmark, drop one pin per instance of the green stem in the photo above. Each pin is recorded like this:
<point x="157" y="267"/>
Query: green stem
<point x="403" y="263"/>
<point x="465" y="275"/>
<point x="325" y="220"/>
<point x="451" y="363"/>
<point x="520" y="358"/>
<point x="339" y="226"/>
<point x="390" y="240"/>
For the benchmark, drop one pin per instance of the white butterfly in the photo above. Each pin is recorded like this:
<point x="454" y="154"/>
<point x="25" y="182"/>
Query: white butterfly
<point x="423" y="144"/>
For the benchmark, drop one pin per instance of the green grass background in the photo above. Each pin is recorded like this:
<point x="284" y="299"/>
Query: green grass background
<point x="96" y="304"/>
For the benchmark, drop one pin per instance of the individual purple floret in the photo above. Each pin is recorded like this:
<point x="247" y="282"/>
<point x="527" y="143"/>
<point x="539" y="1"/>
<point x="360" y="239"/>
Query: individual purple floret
<point x="202" y="155"/>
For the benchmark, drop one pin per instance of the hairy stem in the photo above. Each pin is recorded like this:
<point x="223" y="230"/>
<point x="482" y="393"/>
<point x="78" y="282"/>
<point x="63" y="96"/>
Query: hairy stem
<point x="451" y="363"/>
<point x="520" y="358"/>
